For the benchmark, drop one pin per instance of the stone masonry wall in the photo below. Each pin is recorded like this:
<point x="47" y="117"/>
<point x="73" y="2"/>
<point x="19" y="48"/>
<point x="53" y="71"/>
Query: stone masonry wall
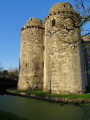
<point x="86" y="50"/>
<point x="51" y="55"/>
<point x="31" y="55"/>
<point x="62" y="59"/>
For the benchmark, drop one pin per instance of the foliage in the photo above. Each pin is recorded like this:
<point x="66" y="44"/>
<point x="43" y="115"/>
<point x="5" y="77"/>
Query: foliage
<point x="11" y="74"/>
<point x="28" y="91"/>
<point x="9" y="116"/>
<point x="5" y="73"/>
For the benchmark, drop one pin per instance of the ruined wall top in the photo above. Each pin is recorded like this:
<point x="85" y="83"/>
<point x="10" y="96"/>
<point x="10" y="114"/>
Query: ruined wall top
<point x="86" y="38"/>
<point x="63" y="9"/>
<point x="65" y="6"/>
<point x="33" y="23"/>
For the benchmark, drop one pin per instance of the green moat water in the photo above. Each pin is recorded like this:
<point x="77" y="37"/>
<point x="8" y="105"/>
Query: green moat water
<point x="34" y="109"/>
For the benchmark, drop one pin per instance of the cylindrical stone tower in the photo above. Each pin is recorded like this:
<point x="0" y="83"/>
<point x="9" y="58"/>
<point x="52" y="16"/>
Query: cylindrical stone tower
<point x="63" y="71"/>
<point x="31" y="55"/>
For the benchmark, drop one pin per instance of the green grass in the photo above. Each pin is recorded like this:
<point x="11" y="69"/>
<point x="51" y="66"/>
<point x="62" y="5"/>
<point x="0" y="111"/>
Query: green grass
<point x="41" y="93"/>
<point x="76" y="96"/>
<point x="28" y="91"/>
<point x="9" y="116"/>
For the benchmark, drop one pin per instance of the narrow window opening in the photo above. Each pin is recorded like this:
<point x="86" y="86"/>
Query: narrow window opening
<point x="43" y="64"/>
<point x="43" y="47"/>
<point x="31" y="19"/>
<point x="26" y="64"/>
<point x="53" y="23"/>
<point x="58" y="12"/>
<point x="54" y="13"/>
<point x="64" y="5"/>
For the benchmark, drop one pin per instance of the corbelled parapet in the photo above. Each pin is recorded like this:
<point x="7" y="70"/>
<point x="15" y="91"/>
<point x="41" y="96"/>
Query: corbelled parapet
<point x="33" y="23"/>
<point x="64" y="9"/>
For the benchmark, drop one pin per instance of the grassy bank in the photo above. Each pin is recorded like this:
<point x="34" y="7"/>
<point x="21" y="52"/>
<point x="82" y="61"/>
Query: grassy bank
<point x="41" y="93"/>
<point x="9" y="116"/>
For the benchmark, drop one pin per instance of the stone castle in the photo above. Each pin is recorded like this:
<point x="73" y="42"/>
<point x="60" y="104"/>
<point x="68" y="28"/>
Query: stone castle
<point x="52" y="55"/>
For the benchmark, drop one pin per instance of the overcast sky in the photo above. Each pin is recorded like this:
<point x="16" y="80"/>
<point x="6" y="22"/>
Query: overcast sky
<point x="13" y="15"/>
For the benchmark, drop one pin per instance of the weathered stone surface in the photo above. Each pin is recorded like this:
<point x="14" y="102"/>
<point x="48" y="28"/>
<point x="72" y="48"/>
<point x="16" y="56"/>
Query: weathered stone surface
<point x="34" y="22"/>
<point x="86" y="51"/>
<point x="52" y="58"/>
<point x="62" y="57"/>
<point x="31" y="56"/>
<point x="62" y="6"/>
<point x="86" y="38"/>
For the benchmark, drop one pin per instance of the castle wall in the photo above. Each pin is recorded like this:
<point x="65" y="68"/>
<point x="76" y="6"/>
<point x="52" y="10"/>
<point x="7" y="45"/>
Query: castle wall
<point x="86" y="50"/>
<point x="31" y="55"/>
<point x="52" y="59"/>
<point x="62" y="60"/>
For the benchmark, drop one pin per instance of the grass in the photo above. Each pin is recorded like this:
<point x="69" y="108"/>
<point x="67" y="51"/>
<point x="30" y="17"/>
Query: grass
<point x="41" y="93"/>
<point x="9" y="116"/>
<point x="28" y="91"/>
<point x="76" y="96"/>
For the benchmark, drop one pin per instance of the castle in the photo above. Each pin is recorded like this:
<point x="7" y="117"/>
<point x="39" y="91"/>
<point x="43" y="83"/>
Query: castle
<point x="53" y="58"/>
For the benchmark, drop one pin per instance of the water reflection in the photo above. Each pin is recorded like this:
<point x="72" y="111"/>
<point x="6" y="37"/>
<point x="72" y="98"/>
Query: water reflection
<point x="41" y="110"/>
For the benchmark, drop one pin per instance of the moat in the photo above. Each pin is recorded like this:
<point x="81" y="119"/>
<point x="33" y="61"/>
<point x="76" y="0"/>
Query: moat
<point x="34" y="109"/>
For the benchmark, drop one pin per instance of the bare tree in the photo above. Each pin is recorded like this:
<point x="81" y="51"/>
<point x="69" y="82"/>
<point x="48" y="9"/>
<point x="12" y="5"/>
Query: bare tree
<point x="83" y="8"/>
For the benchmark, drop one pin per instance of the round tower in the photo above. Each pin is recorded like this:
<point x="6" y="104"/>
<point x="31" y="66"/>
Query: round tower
<point x="62" y="57"/>
<point x="31" y="56"/>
